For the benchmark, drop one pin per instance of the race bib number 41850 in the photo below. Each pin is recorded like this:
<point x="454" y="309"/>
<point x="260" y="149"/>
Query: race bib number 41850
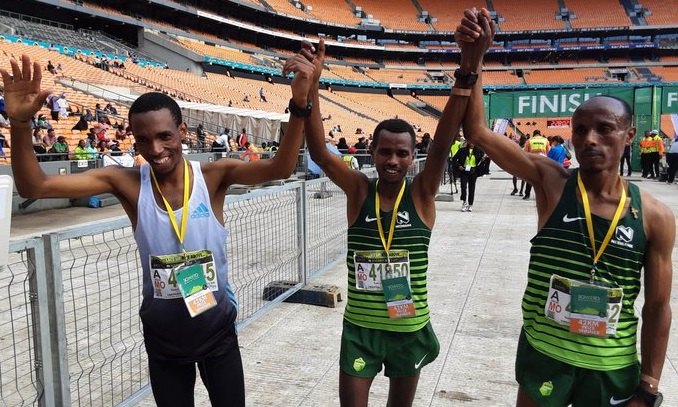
<point x="373" y="266"/>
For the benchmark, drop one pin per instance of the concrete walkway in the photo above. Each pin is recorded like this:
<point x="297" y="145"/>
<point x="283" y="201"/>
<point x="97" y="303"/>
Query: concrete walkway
<point x="477" y="273"/>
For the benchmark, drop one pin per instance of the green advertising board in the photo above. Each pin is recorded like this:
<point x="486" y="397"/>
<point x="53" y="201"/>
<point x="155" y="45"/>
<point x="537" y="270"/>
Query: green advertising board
<point x="669" y="97"/>
<point x="549" y="103"/>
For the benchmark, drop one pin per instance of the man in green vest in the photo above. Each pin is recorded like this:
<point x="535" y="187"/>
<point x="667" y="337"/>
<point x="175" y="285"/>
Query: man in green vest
<point x="578" y="342"/>
<point x="387" y="320"/>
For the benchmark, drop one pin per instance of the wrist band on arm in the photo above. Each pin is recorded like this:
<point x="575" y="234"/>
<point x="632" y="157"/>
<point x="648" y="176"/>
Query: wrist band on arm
<point x="461" y="92"/>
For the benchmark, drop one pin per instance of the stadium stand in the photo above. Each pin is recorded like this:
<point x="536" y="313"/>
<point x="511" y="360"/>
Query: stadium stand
<point x="333" y="11"/>
<point x="395" y="15"/>
<point x="446" y="13"/>
<point x="661" y="12"/>
<point x="520" y="15"/>
<point x="286" y="7"/>
<point x="602" y="13"/>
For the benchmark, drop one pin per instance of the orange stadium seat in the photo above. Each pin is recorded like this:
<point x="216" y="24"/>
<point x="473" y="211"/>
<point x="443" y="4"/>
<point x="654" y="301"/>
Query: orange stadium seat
<point x="662" y="12"/>
<point x="523" y="15"/>
<point x="394" y="14"/>
<point x="601" y="13"/>
<point x="446" y="13"/>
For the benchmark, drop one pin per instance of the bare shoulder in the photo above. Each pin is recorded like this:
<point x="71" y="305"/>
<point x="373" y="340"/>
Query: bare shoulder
<point x="658" y="219"/>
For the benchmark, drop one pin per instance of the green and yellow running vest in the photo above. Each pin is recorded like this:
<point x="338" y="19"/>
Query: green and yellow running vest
<point x="368" y="308"/>
<point x="563" y="247"/>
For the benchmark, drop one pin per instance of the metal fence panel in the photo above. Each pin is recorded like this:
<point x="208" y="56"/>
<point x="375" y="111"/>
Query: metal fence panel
<point x="19" y="380"/>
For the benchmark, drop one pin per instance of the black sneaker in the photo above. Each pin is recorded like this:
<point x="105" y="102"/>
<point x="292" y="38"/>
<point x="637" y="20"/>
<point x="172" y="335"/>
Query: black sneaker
<point x="515" y="191"/>
<point x="526" y="197"/>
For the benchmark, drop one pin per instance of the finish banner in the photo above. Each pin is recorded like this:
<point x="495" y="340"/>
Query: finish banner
<point x="549" y="103"/>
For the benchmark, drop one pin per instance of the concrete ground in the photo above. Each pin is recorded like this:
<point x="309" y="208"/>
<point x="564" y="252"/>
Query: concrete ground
<point x="477" y="273"/>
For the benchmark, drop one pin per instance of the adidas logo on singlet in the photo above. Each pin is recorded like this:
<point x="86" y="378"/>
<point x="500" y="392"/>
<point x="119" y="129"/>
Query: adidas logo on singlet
<point x="200" y="212"/>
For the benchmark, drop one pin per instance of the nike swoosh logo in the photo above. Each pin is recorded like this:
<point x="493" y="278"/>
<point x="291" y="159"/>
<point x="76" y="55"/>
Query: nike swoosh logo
<point x="368" y="219"/>
<point x="567" y="219"/>
<point x="616" y="402"/>
<point x="416" y="365"/>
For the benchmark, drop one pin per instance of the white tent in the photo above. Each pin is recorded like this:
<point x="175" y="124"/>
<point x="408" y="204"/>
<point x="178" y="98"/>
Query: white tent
<point x="261" y="125"/>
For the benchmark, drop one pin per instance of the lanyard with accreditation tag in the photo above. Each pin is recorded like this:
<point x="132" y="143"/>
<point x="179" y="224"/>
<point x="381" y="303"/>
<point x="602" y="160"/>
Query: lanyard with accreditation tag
<point x="589" y="302"/>
<point x="190" y="277"/>
<point x="397" y="292"/>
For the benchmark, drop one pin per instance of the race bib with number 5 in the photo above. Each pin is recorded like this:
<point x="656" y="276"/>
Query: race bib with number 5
<point x="165" y="285"/>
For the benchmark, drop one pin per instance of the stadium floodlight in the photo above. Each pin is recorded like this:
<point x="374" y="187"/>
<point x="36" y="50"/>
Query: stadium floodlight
<point x="6" y="191"/>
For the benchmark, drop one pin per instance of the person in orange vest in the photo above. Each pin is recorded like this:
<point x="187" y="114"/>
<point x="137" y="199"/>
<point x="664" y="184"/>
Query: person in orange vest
<point x="645" y="156"/>
<point x="537" y="144"/>
<point x="251" y="153"/>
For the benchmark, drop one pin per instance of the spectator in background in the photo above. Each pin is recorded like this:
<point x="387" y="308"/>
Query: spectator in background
<point x="221" y="143"/>
<point x="38" y="145"/>
<point x="53" y="104"/>
<point x="89" y="117"/>
<point x="361" y="146"/>
<point x="50" y="139"/>
<point x="63" y="106"/>
<point x="3" y="144"/>
<point x="262" y="96"/>
<point x="114" y="148"/>
<point x="349" y="159"/>
<point x="100" y="131"/>
<point x="558" y="152"/>
<point x="468" y="160"/>
<point x="242" y="139"/>
<point x="50" y="68"/>
<point x="80" y="151"/>
<point x="657" y="152"/>
<point x="59" y="149"/>
<point x="646" y="145"/>
<point x="81" y="124"/>
<point x="3" y="111"/>
<point x="92" y="149"/>
<point x="313" y="170"/>
<point x="424" y="145"/>
<point x="251" y="153"/>
<point x="201" y="134"/>
<point x="341" y="145"/>
<point x="99" y="114"/>
<point x="626" y="157"/>
<point x="110" y="109"/>
<point x="43" y="123"/>
<point x="120" y="133"/>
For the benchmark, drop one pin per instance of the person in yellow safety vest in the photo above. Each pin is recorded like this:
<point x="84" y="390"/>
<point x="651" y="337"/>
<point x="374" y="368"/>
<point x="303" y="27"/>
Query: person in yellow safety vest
<point x="349" y="159"/>
<point x="452" y="170"/>
<point x="657" y="151"/>
<point x="537" y="144"/>
<point x="645" y="146"/>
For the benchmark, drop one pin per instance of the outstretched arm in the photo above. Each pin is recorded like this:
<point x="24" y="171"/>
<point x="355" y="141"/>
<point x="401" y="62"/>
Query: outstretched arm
<point x="23" y="99"/>
<point x="347" y="179"/>
<point x="284" y="162"/>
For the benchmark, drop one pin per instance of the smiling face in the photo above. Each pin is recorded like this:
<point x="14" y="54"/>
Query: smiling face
<point x="158" y="139"/>
<point x="393" y="154"/>
<point x="601" y="127"/>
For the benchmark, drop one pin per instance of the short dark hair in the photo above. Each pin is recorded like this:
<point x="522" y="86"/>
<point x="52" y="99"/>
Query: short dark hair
<point x="153" y="101"/>
<point x="628" y="111"/>
<point x="394" y="126"/>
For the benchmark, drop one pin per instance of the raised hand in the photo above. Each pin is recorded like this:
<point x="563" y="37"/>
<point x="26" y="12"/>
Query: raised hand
<point x="475" y="33"/>
<point x="304" y="75"/>
<point x="23" y="97"/>
<point x="315" y="56"/>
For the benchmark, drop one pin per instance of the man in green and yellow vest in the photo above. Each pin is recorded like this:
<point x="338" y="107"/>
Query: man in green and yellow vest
<point x="600" y="241"/>
<point x="646" y="146"/>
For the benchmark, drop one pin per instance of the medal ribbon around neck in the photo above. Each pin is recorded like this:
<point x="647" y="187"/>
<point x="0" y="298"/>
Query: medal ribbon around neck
<point x="184" y="211"/>
<point x="589" y="222"/>
<point x="387" y="244"/>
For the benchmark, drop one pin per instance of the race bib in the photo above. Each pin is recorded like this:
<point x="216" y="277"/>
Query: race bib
<point x="373" y="266"/>
<point x="588" y="309"/>
<point x="165" y="285"/>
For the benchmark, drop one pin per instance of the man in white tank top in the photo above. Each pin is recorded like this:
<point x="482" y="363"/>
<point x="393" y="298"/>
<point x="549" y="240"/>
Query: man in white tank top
<point x="175" y="207"/>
